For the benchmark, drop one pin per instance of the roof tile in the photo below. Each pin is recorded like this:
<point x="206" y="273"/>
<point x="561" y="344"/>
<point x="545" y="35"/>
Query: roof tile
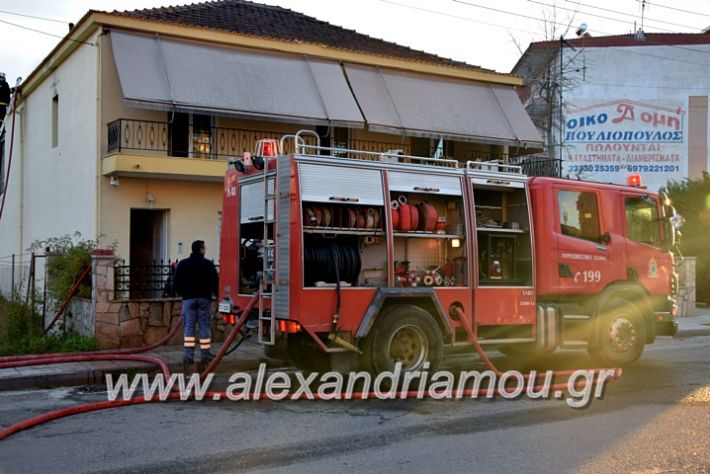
<point x="255" y="19"/>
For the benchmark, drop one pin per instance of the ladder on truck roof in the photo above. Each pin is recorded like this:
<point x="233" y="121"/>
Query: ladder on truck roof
<point x="393" y="156"/>
<point x="268" y="247"/>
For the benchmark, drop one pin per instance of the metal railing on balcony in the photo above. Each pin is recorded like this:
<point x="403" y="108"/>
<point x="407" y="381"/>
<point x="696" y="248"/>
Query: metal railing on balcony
<point x="161" y="138"/>
<point x="222" y="143"/>
<point x="538" y="165"/>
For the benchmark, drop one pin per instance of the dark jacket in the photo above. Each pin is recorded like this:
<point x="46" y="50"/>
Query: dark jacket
<point x="196" y="277"/>
<point x="5" y="94"/>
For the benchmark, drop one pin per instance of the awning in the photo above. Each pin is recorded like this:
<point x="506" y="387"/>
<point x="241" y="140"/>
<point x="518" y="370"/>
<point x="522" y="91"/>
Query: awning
<point x="169" y="74"/>
<point x="433" y="106"/>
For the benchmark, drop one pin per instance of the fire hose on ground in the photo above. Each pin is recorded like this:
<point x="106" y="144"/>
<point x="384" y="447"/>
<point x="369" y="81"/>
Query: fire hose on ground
<point x="90" y="407"/>
<point x="7" y="361"/>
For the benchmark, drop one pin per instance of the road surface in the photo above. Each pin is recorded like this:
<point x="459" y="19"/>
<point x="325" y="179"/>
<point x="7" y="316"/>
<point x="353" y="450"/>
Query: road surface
<point x="655" y="419"/>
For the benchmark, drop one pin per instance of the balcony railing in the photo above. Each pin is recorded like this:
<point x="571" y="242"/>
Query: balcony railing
<point x="216" y="143"/>
<point x="538" y="165"/>
<point x="222" y="143"/>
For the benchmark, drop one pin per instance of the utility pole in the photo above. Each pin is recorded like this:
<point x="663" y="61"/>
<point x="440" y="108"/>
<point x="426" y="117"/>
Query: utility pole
<point x="560" y="81"/>
<point x="559" y="87"/>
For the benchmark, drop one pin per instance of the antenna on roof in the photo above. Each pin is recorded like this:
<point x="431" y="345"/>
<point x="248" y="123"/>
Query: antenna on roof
<point x="640" y="35"/>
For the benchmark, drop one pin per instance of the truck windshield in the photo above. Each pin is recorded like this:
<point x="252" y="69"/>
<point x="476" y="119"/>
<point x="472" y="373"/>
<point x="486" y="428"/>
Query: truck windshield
<point x="642" y="220"/>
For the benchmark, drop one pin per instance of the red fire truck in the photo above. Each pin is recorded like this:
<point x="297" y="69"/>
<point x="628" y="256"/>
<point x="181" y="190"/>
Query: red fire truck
<point x="377" y="258"/>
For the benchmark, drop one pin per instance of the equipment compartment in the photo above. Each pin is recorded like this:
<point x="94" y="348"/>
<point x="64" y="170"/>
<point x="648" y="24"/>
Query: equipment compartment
<point x="346" y="241"/>
<point x="429" y="238"/>
<point x="503" y="236"/>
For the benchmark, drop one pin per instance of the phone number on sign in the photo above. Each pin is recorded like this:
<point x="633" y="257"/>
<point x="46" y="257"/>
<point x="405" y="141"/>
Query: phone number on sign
<point x="629" y="168"/>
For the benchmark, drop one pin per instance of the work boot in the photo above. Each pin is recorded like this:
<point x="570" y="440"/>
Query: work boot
<point x="186" y="364"/>
<point x="205" y="360"/>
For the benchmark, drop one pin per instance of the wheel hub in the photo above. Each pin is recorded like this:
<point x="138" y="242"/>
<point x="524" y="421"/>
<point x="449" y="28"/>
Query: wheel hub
<point x="408" y="346"/>
<point x="622" y="334"/>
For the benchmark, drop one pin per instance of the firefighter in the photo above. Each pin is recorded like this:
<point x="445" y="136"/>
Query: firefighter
<point x="4" y="96"/>
<point x="196" y="281"/>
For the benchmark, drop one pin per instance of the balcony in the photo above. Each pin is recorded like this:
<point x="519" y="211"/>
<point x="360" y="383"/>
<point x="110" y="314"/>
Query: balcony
<point x="201" y="151"/>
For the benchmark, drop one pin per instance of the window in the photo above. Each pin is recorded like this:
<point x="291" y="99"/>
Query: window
<point x="190" y="135"/>
<point x="579" y="214"/>
<point x="55" y="121"/>
<point x="642" y="220"/>
<point x="201" y="136"/>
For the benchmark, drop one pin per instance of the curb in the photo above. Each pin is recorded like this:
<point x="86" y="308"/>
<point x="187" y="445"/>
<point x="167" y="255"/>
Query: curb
<point x="98" y="376"/>
<point x="692" y="332"/>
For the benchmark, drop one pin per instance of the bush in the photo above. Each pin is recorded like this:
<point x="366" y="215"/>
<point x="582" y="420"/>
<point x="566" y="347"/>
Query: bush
<point x="691" y="199"/>
<point x="68" y="257"/>
<point x="21" y="333"/>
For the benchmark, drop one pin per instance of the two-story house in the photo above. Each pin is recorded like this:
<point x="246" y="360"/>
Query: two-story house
<point x="126" y="127"/>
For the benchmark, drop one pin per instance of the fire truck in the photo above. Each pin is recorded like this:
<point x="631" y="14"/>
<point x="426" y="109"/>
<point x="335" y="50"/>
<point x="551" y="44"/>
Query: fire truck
<point x="364" y="259"/>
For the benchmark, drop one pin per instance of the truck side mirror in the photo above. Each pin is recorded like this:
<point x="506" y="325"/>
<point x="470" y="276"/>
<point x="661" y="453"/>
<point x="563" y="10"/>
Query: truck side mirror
<point x="605" y="238"/>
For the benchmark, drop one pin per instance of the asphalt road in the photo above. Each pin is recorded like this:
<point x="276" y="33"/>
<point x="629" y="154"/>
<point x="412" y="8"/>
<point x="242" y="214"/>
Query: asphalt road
<point x="655" y="419"/>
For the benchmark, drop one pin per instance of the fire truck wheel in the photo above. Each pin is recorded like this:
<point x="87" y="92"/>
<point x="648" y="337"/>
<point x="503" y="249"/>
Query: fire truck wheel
<point x="406" y="334"/>
<point x="305" y="355"/>
<point x="622" y="334"/>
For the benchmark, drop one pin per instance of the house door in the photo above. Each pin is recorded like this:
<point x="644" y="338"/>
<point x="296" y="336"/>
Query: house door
<point x="179" y="134"/>
<point x="148" y="253"/>
<point x="148" y="236"/>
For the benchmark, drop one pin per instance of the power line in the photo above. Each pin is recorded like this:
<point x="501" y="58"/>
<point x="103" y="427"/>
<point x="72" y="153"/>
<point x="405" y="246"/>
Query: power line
<point x="656" y="4"/>
<point x="633" y="16"/>
<point x="44" y="32"/>
<point x="615" y="11"/>
<point x="510" y="13"/>
<point x="638" y="86"/>
<point x="626" y="22"/>
<point x="624" y="50"/>
<point x="34" y="17"/>
<point x="435" y="12"/>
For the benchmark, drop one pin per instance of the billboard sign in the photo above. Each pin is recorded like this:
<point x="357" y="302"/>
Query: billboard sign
<point x="609" y="141"/>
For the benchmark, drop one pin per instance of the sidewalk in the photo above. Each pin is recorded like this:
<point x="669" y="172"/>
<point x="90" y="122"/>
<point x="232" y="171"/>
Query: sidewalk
<point x="247" y="357"/>
<point x="698" y="325"/>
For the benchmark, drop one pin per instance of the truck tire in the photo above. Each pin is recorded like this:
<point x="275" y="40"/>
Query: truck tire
<point x="622" y="334"/>
<point x="406" y="334"/>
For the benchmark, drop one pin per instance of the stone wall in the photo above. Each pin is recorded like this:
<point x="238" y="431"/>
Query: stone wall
<point x="133" y="323"/>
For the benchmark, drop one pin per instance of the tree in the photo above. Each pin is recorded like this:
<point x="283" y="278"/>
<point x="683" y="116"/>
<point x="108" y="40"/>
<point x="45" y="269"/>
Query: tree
<point x="691" y="199"/>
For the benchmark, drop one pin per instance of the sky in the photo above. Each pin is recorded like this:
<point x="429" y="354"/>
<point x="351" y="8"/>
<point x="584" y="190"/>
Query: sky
<point x="486" y="33"/>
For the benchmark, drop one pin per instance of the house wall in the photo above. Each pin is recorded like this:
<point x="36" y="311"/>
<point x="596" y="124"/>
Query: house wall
<point x="192" y="209"/>
<point x="667" y="80"/>
<point x="52" y="190"/>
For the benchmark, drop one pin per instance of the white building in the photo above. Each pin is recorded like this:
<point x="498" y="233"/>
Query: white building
<point x="632" y="104"/>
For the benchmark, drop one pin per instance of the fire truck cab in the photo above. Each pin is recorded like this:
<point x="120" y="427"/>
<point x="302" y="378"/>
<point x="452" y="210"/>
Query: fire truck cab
<point x="370" y="259"/>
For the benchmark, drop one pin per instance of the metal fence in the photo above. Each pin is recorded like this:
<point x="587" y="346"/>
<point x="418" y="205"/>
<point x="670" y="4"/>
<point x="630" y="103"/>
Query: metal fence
<point x="151" y="281"/>
<point x="13" y="278"/>
<point x="144" y="281"/>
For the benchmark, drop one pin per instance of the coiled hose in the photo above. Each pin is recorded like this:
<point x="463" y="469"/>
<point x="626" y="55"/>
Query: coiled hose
<point x="326" y="260"/>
